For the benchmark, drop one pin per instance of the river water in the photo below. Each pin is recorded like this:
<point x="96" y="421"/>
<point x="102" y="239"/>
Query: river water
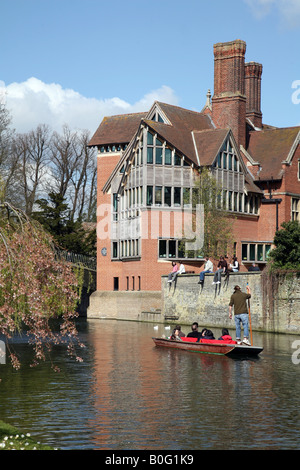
<point x="129" y="394"/>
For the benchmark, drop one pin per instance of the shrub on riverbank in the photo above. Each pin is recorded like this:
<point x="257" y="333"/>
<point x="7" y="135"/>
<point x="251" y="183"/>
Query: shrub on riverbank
<point x="12" y="439"/>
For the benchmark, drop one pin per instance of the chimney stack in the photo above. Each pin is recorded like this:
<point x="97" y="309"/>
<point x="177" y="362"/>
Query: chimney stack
<point x="229" y="100"/>
<point x="253" y="72"/>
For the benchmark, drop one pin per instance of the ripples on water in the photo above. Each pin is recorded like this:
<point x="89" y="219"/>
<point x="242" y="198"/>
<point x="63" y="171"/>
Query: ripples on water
<point x="129" y="394"/>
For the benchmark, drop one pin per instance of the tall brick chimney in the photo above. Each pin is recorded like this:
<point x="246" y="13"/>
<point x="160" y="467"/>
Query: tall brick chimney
<point x="253" y="72"/>
<point x="229" y="100"/>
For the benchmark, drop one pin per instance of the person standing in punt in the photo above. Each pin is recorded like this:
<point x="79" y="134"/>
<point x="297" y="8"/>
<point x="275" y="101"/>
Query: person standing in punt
<point x="238" y="300"/>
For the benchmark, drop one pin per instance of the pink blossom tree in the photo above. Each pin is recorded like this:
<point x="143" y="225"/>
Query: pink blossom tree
<point x="35" y="288"/>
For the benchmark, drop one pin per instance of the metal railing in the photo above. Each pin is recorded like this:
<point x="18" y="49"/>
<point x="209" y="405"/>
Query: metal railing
<point x="89" y="262"/>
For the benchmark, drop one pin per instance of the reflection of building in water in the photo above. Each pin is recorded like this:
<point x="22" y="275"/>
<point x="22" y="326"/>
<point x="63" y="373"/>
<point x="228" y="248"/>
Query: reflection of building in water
<point x="153" y="398"/>
<point x="148" y="164"/>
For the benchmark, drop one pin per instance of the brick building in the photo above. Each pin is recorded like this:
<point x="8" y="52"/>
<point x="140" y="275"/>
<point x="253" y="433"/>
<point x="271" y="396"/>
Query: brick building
<point x="148" y="162"/>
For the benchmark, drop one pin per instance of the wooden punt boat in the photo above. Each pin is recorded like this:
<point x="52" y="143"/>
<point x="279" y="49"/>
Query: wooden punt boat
<point x="219" y="348"/>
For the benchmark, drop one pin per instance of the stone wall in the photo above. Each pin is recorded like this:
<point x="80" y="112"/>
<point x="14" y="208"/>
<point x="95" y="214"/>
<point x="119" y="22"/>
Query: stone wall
<point x="273" y="307"/>
<point x="281" y="304"/>
<point x="187" y="302"/>
<point x="126" y="305"/>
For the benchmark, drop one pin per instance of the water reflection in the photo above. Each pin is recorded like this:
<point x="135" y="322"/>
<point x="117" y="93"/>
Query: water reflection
<point x="129" y="394"/>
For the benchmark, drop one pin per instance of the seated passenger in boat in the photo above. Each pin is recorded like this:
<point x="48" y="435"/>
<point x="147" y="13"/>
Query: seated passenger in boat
<point x="194" y="333"/>
<point x="180" y="333"/>
<point x="207" y="334"/>
<point x="176" y="335"/>
<point x="225" y="335"/>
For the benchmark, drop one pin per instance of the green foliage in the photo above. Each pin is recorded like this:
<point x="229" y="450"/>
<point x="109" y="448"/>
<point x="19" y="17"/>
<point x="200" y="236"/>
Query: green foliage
<point x="217" y="222"/>
<point x="286" y="255"/>
<point x="54" y="215"/>
<point x="13" y="439"/>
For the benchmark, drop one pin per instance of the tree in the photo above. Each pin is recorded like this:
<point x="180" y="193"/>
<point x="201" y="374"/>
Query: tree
<point x="32" y="172"/>
<point x="35" y="287"/>
<point x="217" y="221"/>
<point x="286" y="255"/>
<point x="54" y="215"/>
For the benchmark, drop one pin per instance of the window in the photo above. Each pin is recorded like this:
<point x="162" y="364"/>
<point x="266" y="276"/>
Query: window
<point x="158" y="155"/>
<point x="167" y="195"/>
<point x="177" y="196"/>
<point x="150" y="138"/>
<point x="255" y="252"/>
<point x="168" y="156"/>
<point x="177" y="160"/>
<point x="175" y="249"/>
<point x="149" y="195"/>
<point x="162" y="249"/>
<point x="295" y="208"/>
<point x="230" y="200"/>
<point x="115" y="249"/>
<point x="115" y="206"/>
<point x="172" y="248"/>
<point x="149" y="154"/>
<point x="158" y="195"/>
<point x="116" y="283"/>
<point x="186" y="195"/>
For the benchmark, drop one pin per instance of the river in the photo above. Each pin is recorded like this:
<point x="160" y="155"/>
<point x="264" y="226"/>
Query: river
<point x="129" y="394"/>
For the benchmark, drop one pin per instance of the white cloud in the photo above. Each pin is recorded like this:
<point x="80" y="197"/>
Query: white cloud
<point x="288" y="10"/>
<point x="34" y="102"/>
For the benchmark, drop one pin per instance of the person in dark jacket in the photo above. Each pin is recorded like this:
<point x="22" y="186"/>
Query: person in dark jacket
<point x="221" y="268"/>
<point x="194" y="333"/>
<point x="207" y="334"/>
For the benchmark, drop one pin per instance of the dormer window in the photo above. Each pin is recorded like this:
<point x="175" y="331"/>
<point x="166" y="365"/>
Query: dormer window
<point x="157" y="117"/>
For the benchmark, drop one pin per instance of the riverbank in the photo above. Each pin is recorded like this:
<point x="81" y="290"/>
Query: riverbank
<point x="275" y="302"/>
<point x="12" y="438"/>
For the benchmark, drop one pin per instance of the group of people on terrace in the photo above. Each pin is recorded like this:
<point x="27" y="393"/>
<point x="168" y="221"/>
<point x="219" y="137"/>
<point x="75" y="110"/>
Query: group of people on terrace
<point x="222" y="268"/>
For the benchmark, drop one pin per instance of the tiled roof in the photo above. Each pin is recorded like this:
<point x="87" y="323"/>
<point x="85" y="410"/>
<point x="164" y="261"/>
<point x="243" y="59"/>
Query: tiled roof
<point x="179" y="134"/>
<point x="208" y="144"/>
<point x="117" y="129"/>
<point x="270" y="148"/>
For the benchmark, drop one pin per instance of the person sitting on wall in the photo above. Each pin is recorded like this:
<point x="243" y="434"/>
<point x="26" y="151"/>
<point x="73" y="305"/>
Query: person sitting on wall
<point x="225" y="335"/>
<point x="208" y="268"/>
<point x="181" y="270"/>
<point x="194" y="333"/>
<point x="172" y="275"/>
<point x="253" y="267"/>
<point x="221" y="268"/>
<point x="234" y="266"/>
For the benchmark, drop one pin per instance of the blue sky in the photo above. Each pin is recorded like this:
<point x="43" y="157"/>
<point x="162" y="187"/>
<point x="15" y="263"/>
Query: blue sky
<point x="74" y="61"/>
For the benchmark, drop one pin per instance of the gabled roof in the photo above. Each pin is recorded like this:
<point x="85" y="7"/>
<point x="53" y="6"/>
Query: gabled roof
<point x="208" y="144"/>
<point x="179" y="133"/>
<point x="117" y="129"/>
<point x="270" y="148"/>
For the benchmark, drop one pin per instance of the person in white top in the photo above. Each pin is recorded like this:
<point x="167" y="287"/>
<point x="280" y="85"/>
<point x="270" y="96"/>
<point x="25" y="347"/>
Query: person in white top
<point x="234" y="266"/>
<point x="181" y="270"/>
<point x="208" y="268"/>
